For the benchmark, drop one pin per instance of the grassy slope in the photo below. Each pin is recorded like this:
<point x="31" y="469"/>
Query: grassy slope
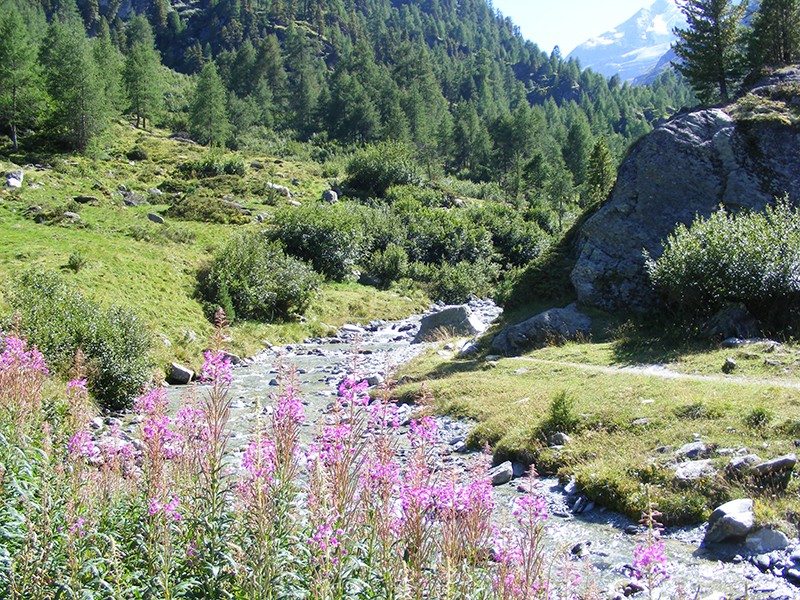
<point x="157" y="278"/>
<point x="611" y="457"/>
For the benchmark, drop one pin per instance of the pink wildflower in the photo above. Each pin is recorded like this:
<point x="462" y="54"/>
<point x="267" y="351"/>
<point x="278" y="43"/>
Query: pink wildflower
<point x="216" y="368"/>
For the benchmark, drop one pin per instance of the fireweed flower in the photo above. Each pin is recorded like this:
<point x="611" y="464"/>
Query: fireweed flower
<point x="423" y="431"/>
<point x="216" y="368"/>
<point x="530" y="509"/>
<point x="354" y="391"/>
<point x="650" y="563"/>
<point x="289" y="408"/>
<point x="77" y="527"/>
<point x="170" y="509"/>
<point x="258" y="460"/>
<point x="16" y="355"/>
<point x="81" y="446"/>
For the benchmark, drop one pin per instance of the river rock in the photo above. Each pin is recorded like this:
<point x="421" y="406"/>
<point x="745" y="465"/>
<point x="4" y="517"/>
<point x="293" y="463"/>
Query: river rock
<point x="14" y="179"/>
<point x="452" y="321"/>
<point x="686" y="167"/>
<point x="179" y="374"/>
<point x="556" y="325"/>
<point x="694" y="469"/>
<point x="502" y="473"/>
<point x="732" y="520"/>
<point x="693" y="451"/>
<point x="766" y="540"/>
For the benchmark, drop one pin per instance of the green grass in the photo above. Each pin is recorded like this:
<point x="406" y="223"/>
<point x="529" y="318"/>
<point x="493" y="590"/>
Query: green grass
<point x="128" y="260"/>
<point x="614" y="460"/>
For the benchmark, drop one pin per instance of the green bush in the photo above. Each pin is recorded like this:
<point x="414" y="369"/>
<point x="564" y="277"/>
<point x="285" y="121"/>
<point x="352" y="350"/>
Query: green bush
<point x="752" y="258"/>
<point x="252" y="278"/>
<point x="377" y="167"/>
<point x="561" y="416"/>
<point x="389" y="265"/>
<point x="214" y="164"/>
<point x="205" y="209"/>
<point x="114" y="342"/>
<point x="332" y="238"/>
<point x="456" y="284"/>
<point x="516" y="240"/>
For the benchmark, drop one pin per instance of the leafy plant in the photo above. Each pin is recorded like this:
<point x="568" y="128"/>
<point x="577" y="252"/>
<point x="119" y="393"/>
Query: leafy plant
<point x="561" y="415"/>
<point x="252" y="278"/>
<point x="377" y="167"/>
<point x="114" y="342"/>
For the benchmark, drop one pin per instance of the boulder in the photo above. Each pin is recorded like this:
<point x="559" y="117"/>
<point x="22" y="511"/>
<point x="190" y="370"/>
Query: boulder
<point x="766" y="540"/>
<point x="502" y="473"/>
<point x="694" y="451"/>
<point x="686" y="167"/>
<point x="281" y="190"/>
<point x="556" y="325"/>
<point x="330" y="196"/>
<point x="72" y="217"/>
<point x="180" y="375"/>
<point x="732" y="321"/>
<point x="155" y="218"/>
<point x="451" y="321"/>
<point x="14" y="179"/>
<point x="86" y="199"/>
<point x="777" y="471"/>
<point x="741" y="466"/>
<point x="733" y="520"/>
<point x="694" y="469"/>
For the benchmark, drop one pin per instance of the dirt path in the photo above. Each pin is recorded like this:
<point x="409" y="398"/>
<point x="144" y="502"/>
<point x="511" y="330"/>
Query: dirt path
<point x="663" y="372"/>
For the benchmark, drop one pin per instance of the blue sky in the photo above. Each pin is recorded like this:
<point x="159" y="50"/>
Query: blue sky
<point x="567" y="23"/>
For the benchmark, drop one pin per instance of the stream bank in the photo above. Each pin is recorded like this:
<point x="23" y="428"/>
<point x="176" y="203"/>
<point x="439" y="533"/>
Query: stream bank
<point x="603" y="540"/>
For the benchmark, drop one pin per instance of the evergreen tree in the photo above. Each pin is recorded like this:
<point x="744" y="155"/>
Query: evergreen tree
<point x="110" y="63"/>
<point x="775" y="39"/>
<point x="20" y="81"/>
<point x="601" y="174"/>
<point x="80" y="109"/>
<point x="208" y="117"/>
<point x="142" y="73"/>
<point x="577" y="147"/>
<point x="711" y="49"/>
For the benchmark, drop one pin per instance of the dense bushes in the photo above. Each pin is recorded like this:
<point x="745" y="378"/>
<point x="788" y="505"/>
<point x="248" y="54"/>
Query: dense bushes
<point x="751" y="258"/>
<point x="332" y="238"/>
<point x="252" y="278"/>
<point x="114" y="343"/>
<point x="375" y="168"/>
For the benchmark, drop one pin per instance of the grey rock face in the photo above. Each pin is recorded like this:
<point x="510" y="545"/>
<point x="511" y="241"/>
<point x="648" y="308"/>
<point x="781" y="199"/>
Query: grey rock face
<point x="732" y="520"/>
<point x="733" y="321"/>
<point x="688" y="166"/>
<point x="454" y="320"/>
<point x="554" y="325"/>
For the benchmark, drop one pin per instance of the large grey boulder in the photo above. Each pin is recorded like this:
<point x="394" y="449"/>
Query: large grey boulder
<point x="179" y="375"/>
<point x="688" y="166"/>
<point x="766" y="540"/>
<point x="451" y="321"/>
<point x="733" y="520"/>
<point x="330" y="196"/>
<point x="556" y="325"/>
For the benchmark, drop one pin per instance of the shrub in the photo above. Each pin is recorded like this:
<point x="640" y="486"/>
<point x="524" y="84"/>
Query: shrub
<point x="114" y="342"/>
<point x="76" y="261"/>
<point x="137" y="153"/>
<point x="758" y="418"/>
<point x="214" y="164"/>
<point x="332" y="238"/>
<point x="375" y="168"/>
<point x="455" y="284"/>
<point x="205" y="209"/>
<point x="751" y="258"/>
<point x="252" y="278"/>
<point x="562" y="416"/>
<point x="516" y="240"/>
<point x="389" y="265"/>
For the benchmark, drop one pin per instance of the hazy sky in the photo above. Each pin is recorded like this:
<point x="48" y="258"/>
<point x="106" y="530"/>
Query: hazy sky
<point x="567" y="23"/>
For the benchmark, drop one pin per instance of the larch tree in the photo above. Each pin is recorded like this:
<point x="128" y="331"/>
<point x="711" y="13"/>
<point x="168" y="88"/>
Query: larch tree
<point x="208" y="116"/>
<point x="711" y="49"/>
<point x="20" y="80"/>
<point x="142" y="73"/>
<point x="775" y="39"/>
<point x="601" y="173"/>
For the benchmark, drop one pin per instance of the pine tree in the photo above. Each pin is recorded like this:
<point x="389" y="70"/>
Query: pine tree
<point x="80" y="109"/>
<point x="775" y="38"/>
<point x="711" y="49"/>
<point x="577" y="147"/>
<point x="20" y="81"/>
<point x="208" y="117"/>
<point x="142" y="73"/>
<point x="601" y="174"/>
<point x="110" y="63"/>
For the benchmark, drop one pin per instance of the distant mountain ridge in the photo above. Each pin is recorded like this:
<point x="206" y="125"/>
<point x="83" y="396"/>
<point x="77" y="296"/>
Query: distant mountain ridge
<point x="635" y="47"/>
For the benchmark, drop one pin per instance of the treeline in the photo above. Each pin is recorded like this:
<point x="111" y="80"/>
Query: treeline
<point x="728" y="46"/>
<point x="453" y="79"/>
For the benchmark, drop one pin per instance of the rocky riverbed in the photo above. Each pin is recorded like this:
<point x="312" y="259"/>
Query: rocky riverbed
<point x="603" y="541"/>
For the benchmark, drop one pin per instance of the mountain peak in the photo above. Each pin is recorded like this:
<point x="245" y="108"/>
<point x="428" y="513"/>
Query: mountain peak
<point x="635" y="46"/>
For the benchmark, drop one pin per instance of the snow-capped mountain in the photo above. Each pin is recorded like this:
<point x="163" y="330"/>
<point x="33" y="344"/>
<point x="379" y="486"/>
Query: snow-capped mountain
<point x="636" y="46"/>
